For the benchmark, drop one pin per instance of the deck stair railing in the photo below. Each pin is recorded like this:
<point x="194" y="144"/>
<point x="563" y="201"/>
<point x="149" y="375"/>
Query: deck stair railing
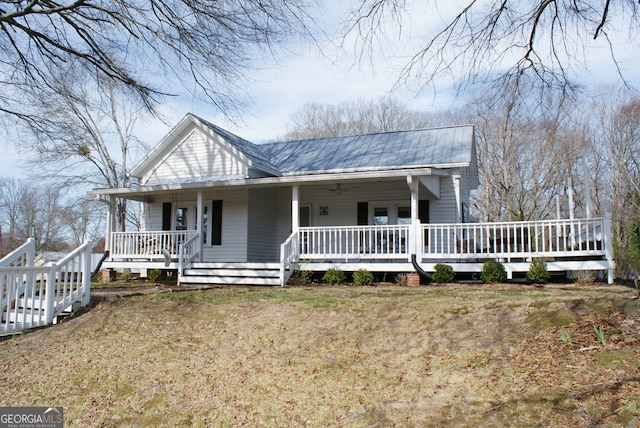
<point x="34" y="296"/>
<point x="289" y="256"/>
<point x="188" y="250"/>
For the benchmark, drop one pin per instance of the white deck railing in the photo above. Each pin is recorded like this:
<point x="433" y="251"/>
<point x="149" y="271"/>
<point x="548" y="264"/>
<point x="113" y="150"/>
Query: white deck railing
<point x="149" y="245"/>
<point x="550" y="238"/>
<point x="363" y="242"/>
<point x="188" y="251"/>
<point x="289" y="255"/>
<point x="34" y="296"/>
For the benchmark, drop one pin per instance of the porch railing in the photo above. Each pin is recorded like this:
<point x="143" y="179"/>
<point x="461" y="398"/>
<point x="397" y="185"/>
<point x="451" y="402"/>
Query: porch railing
<point x="364" y="242"/>
<point x="549" y="238"/>
<point x="33" y="296"/>
<point x="289" y="255"/>
<point x="188" y="251"/>
<point x="150" y="245"/>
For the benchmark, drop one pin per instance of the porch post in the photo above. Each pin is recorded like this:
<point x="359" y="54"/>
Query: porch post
<point x="200" y="225"/>
<point x="111" y="215"/>
<point x="456" y="189"/>
<point x="295" y="208"/>
<point x="414" y="231"/>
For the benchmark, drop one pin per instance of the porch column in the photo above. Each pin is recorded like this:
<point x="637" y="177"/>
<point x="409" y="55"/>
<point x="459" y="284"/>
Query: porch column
<point x="456" y="189"/>
<point x="414" y="231"/>
<point x="295" y="208"/>
<point x="200" y="225"/>
<point x="110" y="226"/>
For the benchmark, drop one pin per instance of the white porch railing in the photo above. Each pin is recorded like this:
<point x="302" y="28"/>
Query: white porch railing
<point x="24" y="255"/>
<point x="289" y="255"/>
<point x="188" y="250"/>
<point x="550" y="238"/>
<point x="35" y="296"/>
<point x="149" y="245"/>
<point x="363" y="242"/>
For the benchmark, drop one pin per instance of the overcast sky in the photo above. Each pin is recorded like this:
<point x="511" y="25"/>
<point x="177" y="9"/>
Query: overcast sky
<point x="305" y="76"/>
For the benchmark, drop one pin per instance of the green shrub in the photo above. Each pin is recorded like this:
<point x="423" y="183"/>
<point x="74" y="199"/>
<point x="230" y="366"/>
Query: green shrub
<point x="493" y="271"/>
<point x="362" y="277"/>
<point x="126" y="275"/>
<point x="154" y="275"/>
<point x="538" y="273"/>
<point x="334" y="276"/>
<point x="443" y="274"/>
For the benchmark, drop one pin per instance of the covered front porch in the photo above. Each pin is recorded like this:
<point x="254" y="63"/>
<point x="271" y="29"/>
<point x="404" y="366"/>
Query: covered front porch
<point x="566" y="245"/>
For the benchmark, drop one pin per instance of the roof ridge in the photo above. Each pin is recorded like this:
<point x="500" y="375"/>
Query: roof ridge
<point x="398" y="131"/>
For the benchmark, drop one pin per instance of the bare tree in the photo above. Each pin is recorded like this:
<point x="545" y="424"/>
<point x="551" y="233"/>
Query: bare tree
<point x="620" y="140"/>
<point x="504" y="40"/>
<point x="356" y="117"/>
<point x="526" y="154"/>
<point x="208" y="46"/>
<point x="32" y="210"/>
<point x="83" y="219"/>
<point x="86" y="136"/>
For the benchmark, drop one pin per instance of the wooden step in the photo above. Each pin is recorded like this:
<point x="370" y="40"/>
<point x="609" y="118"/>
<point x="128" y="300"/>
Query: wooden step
<point x="235" y="265"/>
<point x="230" y="280"/>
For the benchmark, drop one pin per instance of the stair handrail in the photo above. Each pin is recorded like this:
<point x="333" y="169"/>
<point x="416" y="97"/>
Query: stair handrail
<point x="24" y="255"/>
<point x="187" y="251"/>
<point x="289" y="254"/>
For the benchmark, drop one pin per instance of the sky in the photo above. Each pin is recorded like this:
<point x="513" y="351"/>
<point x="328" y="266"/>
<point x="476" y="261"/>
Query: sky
<point x="304" y="76"/>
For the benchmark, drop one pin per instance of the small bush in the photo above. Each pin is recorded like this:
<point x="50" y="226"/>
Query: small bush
<point x="362" y="277"/>
<point x="126" y="275"/>
<point x="583" y="277"/>
<point x="538" y="273"/>
<point x="154" y="275"/>
<point x="401" y="279"/>
<point x="334" y="277"/>
<point x="443" y="274"/>
<point x="493" y="271"/>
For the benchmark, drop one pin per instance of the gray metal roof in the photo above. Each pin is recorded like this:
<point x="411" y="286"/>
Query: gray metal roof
<point x="250" y="150"/>
<point x="425" y="147"/>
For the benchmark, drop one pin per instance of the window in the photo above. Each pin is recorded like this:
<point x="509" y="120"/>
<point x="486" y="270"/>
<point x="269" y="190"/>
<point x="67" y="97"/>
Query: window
<point x="205" y="221"/>
<point x="181" y="219"/>
<point x="380" y="216"/>
<point x="404" y="215"/>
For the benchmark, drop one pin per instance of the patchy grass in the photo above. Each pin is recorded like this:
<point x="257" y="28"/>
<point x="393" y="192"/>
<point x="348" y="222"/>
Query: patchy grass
<point x="335" y="357"/>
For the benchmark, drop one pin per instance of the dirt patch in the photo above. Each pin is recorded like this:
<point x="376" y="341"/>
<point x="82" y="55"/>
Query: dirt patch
<point x="338" y="356"/>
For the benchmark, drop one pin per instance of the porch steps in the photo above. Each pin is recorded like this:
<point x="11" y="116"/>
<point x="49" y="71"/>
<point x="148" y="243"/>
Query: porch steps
<point x="31" y="311"/>
<point x="267" y="274"/>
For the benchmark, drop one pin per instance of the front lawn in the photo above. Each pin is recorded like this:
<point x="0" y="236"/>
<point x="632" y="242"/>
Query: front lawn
<point x="456" y="355"/>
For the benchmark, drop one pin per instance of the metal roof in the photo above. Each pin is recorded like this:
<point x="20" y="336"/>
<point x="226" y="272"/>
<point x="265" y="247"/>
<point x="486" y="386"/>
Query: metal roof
<point x="438" y="147"/>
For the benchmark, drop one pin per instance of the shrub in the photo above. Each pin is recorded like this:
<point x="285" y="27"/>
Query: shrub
<point x="126" y="275"/>
<point x="493" y="271"/>
<point x="583" y="277"/>
<point x="362" y="277"/>
<point x="334" y="276"/>
<point x="401" y="279"/>
<point x="154" y="275"/>
<point x="538" y="273"/>
<point x="443" y="274"/>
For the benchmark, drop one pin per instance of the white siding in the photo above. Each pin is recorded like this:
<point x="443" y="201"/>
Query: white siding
<point x="262" y="245"/>
<point x="196" y="156"/>
<point x="234" y="221"/>
<point x="443" y="210"/>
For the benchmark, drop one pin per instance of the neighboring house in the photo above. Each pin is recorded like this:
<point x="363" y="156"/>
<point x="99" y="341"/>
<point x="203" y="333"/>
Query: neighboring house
<point x="221" y="209"/>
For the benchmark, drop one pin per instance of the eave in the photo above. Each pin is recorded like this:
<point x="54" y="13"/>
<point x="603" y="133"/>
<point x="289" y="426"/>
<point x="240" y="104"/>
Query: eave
<point x="140" y="192"/>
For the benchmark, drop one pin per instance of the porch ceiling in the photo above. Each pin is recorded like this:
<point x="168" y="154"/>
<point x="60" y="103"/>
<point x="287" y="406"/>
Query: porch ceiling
<point x="142" y="192"/>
